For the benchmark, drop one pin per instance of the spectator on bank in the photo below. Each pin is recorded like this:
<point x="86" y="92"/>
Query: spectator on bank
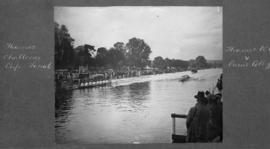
<point x="207" y="94"/>
<point x="219" y="99"/>
<point x="197" y="120"/>
<point x="220" y="105"/>
<point x="214" y="128"/>
<point x="219" y="83"/>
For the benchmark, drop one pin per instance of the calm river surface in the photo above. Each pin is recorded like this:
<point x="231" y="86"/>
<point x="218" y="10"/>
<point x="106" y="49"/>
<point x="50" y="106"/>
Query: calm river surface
<point x="132" y="110"/>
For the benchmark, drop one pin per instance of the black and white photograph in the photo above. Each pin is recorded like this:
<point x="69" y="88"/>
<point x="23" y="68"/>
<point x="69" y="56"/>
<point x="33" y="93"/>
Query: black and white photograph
<point x="138" y="74"/>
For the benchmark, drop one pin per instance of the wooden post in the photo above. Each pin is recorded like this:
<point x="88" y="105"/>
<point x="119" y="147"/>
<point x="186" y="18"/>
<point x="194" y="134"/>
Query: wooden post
<point x="173" y="125"/>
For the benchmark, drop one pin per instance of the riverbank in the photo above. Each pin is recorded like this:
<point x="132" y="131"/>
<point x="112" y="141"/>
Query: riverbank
<point x="75" y="79"/>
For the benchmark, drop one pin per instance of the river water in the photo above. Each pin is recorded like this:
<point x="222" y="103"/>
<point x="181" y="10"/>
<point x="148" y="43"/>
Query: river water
<point x="132" y="110"/>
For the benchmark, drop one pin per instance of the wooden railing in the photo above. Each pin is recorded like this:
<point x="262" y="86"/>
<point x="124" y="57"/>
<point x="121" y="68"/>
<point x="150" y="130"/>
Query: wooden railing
<point x="177" y="138"/>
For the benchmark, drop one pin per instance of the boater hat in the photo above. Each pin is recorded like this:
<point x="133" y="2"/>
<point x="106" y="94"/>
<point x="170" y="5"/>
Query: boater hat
<point x="199" y="95"/>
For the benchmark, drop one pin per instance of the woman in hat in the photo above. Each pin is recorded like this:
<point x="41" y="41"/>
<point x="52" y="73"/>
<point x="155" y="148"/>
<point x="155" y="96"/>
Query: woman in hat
<point x="197" y="120"/>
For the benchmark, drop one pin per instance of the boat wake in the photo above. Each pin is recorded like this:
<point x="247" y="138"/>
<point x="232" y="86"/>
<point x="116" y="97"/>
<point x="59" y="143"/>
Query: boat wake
<point x="203" y="75"/>
<point x="149" y="78"/>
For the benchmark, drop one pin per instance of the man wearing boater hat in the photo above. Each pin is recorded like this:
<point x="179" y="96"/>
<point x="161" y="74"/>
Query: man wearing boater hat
<point x="197" y="120"/>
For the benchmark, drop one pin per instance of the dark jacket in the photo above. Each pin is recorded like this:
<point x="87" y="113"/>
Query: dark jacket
<point x="196" y="123"/>
<point x="215" y="121"/>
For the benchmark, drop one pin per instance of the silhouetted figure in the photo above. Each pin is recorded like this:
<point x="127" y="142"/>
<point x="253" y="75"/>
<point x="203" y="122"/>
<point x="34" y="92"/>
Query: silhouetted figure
<point x="207" y="94"/>
<point x="215" y="122"/>
<point x="197" y="120"/>
<point x="219" y="83"/>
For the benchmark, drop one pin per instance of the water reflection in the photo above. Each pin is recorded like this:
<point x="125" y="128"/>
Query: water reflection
<point x="63" y="106"/>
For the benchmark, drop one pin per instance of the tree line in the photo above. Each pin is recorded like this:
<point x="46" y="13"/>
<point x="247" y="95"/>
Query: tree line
<point x="134" y="54"/>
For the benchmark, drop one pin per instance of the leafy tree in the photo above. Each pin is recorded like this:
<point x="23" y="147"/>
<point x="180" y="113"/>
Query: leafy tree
<point x="102" y="56"/>
<point x="63" y="47"/>
<point x="168" y="62"/>
<point x="179" y="64"/>
<point x="84" y="55"/>
<point x="201" y="62"/>
<point x="120" y="46"/>
<point x="192" y="63"/>
<point x="159" y="62"/>
<point x="138" y="52"/>
<point x="115" y="57"/>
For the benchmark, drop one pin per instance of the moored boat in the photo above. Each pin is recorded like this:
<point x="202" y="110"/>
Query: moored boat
<point x="94" y="84"/>
<point x="95" y="81"/>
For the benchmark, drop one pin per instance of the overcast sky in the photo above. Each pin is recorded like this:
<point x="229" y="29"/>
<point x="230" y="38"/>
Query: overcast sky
<point x="173" y="32"/>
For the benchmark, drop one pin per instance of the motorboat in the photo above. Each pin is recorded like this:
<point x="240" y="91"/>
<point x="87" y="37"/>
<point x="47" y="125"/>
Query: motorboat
<point x="184" y="78"/>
